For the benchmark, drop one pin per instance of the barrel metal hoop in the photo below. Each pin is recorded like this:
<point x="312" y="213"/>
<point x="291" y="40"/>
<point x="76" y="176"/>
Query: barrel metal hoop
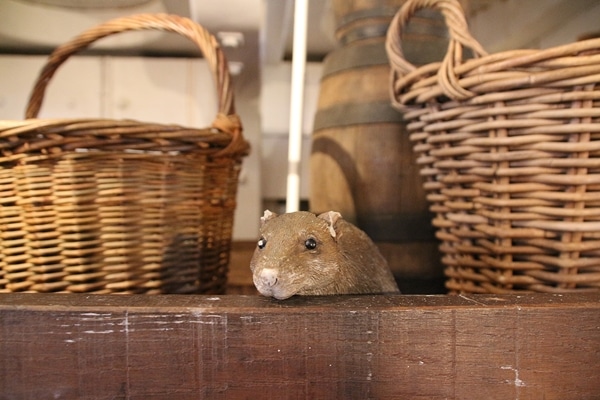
<point x="356" y="114"/>
<point x="352" y="57"/>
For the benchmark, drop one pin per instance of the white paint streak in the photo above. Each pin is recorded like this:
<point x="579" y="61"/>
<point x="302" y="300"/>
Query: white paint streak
<point x="248" y="319"/>
<point x="126" y="324"/>
<point x="167" y="322"/>
<point x="369" y="358"/>
<point x="162" y="316"/>
<point x="165" y="329"/>
<point x="517" y="382"/>
<point x="99" y="332"/>
<point x="462" y="296"/>
<point x="207" y="319"/>
<point x="96" y="316"/>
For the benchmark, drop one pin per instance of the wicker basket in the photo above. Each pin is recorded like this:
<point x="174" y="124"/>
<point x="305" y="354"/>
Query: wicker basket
<point x="106" y="206"/>
<point x="509" y="146"/>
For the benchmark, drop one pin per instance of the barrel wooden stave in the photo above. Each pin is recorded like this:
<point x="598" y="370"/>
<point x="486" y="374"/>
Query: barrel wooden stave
<point x="362" y="163"/>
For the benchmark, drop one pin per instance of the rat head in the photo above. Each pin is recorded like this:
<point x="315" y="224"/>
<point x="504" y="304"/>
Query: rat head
<point x="296" y="254"/>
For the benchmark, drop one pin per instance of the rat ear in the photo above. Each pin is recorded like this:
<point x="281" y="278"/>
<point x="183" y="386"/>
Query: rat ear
<point x="331" y="217"/>
<point x="267" y="216"/>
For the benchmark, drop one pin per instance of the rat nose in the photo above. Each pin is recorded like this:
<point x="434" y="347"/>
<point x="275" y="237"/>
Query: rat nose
<point x="268" y="277"/>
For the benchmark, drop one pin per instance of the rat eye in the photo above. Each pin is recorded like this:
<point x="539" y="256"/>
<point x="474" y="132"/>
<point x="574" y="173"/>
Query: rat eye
<point x="310" y="244"/>
<point x="262" y="243"/>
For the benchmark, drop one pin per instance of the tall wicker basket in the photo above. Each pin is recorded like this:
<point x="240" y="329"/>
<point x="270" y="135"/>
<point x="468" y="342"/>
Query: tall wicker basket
<point x="509" y="146"/>
<point x="119" y="206"/>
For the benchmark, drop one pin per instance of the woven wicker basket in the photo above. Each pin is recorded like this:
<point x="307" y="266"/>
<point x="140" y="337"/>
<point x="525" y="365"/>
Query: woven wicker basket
<point x="509" y="146"/>
<point x="105" y="206"/>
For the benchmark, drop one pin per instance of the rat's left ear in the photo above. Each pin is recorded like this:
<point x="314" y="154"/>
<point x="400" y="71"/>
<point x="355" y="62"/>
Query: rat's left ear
<point x="331" y="217"/>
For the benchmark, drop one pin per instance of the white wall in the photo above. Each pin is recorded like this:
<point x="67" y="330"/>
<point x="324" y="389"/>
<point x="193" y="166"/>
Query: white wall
<point x="162" y="90"/>
<point x="275" y="119"/>
<point x="70" y="93"/>
<point x="514" y="24"/>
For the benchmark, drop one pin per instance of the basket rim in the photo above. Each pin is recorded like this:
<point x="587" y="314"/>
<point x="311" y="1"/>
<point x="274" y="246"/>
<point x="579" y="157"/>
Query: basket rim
<point x="50" y="138"/>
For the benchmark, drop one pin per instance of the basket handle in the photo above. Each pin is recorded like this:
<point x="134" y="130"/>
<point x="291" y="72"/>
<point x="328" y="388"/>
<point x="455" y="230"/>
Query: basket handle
<point x="226" y="120"/>
<point x="460" y="37"/>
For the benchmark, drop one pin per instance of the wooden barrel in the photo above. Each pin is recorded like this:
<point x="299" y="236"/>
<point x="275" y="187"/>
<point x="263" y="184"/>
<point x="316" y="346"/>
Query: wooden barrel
<point x="362" y="163"/>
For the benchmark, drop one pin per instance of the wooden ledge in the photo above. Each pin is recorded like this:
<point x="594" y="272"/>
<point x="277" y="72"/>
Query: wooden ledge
<point x="429" y="347"/>
<point x="259" y="304"/>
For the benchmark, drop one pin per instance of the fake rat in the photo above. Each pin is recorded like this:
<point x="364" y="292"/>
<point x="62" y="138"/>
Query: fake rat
<point x="301" y="253"/>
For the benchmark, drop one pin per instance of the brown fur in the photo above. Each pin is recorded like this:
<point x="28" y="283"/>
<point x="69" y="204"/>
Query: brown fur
<point x="344" y="261"/>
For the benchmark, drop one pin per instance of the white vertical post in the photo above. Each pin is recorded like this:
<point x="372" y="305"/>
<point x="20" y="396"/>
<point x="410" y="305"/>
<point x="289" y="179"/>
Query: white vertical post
<point x="296" y="105"/>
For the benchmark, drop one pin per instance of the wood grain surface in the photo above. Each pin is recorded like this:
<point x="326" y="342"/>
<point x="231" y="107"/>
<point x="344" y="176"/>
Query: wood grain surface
<point x="530" y="346"/>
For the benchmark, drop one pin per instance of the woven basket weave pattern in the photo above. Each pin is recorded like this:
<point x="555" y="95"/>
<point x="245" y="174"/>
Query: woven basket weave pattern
<point x="509" y="146"/>
<point x="105" y="206"/>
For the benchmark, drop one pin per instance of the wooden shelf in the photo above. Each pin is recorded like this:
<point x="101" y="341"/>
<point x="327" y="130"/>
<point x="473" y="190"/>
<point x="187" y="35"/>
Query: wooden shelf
<point x="526" y="346"/>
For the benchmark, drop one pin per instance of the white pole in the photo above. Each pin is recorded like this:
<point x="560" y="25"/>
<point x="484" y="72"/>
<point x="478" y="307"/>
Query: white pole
<point x="296" y="105"/>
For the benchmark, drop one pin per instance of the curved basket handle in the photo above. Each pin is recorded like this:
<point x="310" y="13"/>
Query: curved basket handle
<point x="226" y="119"/>
<point x="460" y="37"/>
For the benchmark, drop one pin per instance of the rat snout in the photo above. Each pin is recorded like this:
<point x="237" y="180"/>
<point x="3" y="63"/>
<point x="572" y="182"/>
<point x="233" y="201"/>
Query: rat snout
<point x="269" y="284"/>
<point x="267" y="277"/>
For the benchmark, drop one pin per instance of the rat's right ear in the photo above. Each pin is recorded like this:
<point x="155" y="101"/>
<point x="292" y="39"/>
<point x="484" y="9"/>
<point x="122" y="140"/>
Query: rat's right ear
<point x="331" y="217"/>
<point x="267" y="216"/>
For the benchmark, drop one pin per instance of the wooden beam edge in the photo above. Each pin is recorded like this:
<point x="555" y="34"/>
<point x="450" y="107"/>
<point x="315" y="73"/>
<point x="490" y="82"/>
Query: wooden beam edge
<point x="237" y="303"/>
